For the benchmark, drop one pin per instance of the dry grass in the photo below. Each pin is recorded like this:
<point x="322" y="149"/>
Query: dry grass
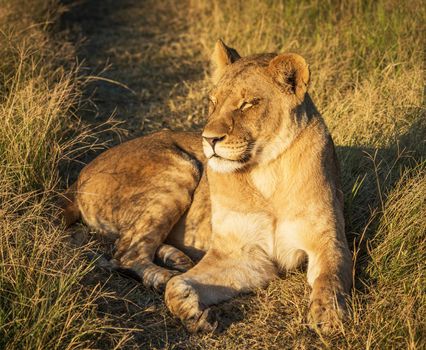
<point x="43" y="303"/>
<point x="367" y="80"/>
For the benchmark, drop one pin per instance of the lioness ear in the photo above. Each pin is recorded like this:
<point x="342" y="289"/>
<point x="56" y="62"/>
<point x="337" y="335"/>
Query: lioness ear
<point x="222" y="57"/>
<point x="292" y="72"/>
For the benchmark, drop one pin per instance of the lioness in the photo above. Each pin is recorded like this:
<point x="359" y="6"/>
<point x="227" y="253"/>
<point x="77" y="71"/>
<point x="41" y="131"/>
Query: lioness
<point x="255" y="194"/>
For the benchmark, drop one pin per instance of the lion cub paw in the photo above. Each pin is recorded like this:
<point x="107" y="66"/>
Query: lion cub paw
<point x="326" y="315"/>
<point x="183" y="301"/>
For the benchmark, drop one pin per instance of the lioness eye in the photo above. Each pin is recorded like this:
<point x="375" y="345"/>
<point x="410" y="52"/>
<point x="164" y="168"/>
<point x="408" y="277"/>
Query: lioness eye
<point x="244" y="105"/>
<point x="248" y="104"/>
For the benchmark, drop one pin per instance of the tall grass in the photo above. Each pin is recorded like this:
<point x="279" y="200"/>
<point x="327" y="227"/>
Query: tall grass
<point x="43" y="304"/>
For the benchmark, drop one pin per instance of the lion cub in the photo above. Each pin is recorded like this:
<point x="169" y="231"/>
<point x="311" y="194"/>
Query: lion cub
<point x="256" y="193"/>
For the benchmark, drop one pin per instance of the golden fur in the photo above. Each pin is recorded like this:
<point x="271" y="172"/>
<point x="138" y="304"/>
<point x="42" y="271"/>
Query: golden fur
<point x="264" y="196"/>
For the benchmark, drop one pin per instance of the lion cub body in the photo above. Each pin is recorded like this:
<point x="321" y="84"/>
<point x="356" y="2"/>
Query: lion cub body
<point x="259" y="192"/>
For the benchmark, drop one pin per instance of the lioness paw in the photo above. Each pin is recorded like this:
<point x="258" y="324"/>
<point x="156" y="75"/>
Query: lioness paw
<point x="204" y="321"/>
<point x="183" y="301"/>
<point x="326" y="315"/>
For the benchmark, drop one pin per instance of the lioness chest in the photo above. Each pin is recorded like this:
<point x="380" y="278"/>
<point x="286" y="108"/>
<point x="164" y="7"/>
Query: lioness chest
<point x="259" y="214"/>
<point x="260" y="233"/>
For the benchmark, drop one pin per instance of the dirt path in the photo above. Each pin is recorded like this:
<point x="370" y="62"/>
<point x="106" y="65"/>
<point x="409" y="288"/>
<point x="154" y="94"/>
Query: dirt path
<point x="146" y="48"/>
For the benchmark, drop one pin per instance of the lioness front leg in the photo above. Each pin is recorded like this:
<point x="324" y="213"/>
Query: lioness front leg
<point x="329" y="274"/>
<point x="217" y="277"/>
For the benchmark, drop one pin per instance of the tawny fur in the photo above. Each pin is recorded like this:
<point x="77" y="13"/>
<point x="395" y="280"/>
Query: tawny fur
<point x="263" y="197"/>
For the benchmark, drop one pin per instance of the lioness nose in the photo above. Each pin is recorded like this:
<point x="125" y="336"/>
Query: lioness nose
<point x="213" y="140"/>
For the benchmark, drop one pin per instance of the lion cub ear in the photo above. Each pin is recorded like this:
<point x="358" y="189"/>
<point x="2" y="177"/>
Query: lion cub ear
<point x="222" y="56"/>
<point x="291" y="71"/>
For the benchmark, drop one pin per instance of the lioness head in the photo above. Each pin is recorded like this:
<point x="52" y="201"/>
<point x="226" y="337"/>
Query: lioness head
<point x="256" y="107"/>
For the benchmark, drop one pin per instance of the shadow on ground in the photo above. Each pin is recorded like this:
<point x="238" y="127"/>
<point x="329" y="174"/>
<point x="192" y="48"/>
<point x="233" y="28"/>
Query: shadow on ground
<point x="368" y="175"/>
<point x="143" y="48"/>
